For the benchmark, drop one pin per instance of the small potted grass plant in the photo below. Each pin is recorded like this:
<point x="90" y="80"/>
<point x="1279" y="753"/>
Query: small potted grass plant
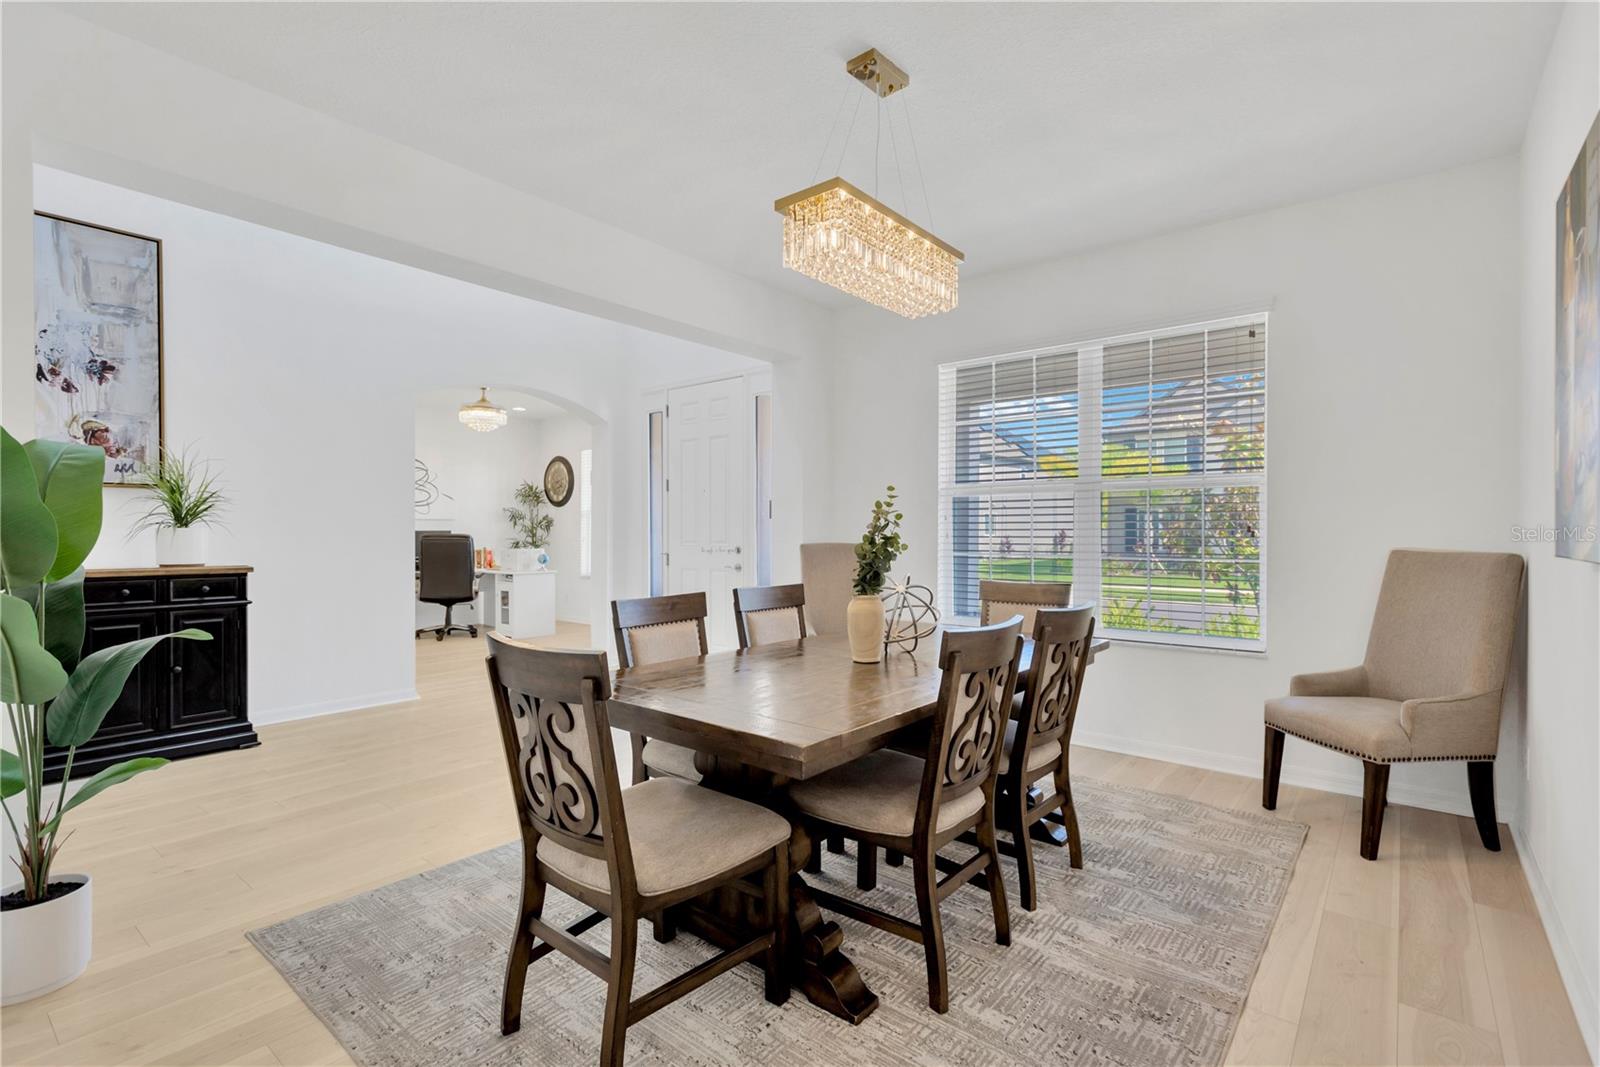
<point x="876" y="552"/>
<point x="184" y="500"/>
<point x="50" y="500"/>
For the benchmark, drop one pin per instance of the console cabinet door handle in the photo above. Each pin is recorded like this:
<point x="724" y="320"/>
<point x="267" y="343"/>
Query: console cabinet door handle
<point x="177" y="669"/>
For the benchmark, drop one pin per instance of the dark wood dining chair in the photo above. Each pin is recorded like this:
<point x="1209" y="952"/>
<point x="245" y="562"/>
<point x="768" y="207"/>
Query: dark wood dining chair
<point x="916" y="806"/>
<point x="768" y="613"/>
<point x="621" y="852"/>
<point x="1038" y="740"/>
<point x="1000" y="600"/>
<point x="656" y="629"/>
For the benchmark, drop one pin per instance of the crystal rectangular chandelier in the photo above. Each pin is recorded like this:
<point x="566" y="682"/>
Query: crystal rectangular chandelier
<point x="837" y="234"/>
<point x="842" y="237"/>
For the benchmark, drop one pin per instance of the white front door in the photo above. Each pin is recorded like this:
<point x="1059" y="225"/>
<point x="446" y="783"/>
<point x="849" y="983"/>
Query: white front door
<point x="710" y="498"/>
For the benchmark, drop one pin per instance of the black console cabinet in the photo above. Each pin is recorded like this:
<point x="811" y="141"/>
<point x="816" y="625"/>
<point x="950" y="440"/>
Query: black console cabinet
<point x="187" y="697"/>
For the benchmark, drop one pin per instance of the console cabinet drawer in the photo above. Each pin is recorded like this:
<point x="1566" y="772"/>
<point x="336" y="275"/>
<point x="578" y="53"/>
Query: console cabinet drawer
<point x="222" y="587"/>
<point x="105" y="593"/>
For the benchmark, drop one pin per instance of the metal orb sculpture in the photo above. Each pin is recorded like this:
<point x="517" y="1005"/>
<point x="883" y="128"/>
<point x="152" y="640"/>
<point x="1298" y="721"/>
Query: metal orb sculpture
<point x="909" y="616"/>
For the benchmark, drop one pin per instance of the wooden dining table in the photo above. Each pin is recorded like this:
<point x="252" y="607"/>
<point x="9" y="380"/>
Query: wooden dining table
<point x="764" y="717"/>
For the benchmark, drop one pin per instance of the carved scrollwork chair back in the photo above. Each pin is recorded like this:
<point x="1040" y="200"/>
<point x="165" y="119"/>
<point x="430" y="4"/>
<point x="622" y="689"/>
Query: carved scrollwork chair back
<point x="979" y="677"/>
<point x="1061" y="641"/>
<point x="556" y="733"/>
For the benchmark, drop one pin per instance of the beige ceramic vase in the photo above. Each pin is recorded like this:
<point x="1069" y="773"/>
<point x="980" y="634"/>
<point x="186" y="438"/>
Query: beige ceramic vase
<point x="864" y="620"/>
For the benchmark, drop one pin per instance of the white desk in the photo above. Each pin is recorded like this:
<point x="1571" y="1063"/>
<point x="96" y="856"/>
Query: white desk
<point x="519" y="604"/>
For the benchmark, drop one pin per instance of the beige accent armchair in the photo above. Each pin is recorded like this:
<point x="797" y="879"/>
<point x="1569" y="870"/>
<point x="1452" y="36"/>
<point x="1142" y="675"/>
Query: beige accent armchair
<point x="1429" y="688"/>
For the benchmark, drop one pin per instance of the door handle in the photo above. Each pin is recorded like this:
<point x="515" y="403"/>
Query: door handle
<point x="737" y="567"/>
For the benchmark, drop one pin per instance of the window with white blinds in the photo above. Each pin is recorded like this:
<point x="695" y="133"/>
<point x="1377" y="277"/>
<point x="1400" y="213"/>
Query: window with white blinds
<point x="586" y="513"/>
<point x="1133" y="467"/>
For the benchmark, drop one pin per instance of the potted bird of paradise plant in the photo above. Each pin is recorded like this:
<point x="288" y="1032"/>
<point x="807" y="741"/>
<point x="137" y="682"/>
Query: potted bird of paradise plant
<point x="50" y="512"/>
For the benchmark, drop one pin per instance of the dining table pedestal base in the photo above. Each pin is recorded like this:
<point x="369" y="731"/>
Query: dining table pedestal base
<point x="724" y="917"/>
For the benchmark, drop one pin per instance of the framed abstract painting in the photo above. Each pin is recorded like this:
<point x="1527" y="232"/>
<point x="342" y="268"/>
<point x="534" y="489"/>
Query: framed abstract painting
<point x="1578" y="356"/>
<point x="97" y="341"/>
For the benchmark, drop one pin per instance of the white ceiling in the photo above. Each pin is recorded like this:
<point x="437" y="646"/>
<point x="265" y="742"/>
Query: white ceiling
<point x="1042" y="128"/>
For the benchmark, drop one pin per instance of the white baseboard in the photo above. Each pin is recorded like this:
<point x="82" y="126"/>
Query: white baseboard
<point x="331" y="707"/>
<point x="1584" y="1003"/>
<point x="1453" y="802"/>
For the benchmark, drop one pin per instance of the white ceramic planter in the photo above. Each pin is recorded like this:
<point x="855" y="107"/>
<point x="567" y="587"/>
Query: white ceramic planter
<point x="864" y="622"/>
<point x="175" y="548"/>
<point x="46" y="946"/>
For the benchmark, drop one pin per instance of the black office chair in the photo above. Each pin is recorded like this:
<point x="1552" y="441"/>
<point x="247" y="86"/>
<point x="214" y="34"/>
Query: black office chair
<point x="446" y="578"/>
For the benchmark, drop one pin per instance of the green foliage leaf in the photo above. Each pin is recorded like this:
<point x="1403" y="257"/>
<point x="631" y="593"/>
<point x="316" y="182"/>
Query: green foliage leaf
<point x="69" y="477"/>
<point x="28" y="673"/>
<point x="115" y="774"/>
<point x="95" y="685"/>
<point x="27" y="529"/>
<point x="63" y="615"/>
<point x="13" y="779"/>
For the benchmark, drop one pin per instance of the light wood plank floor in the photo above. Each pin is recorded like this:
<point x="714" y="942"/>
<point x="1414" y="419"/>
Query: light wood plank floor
<point x="1434" y="954"/>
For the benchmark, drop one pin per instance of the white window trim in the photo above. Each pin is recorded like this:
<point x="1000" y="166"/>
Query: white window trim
<point x="1086" y="492"/>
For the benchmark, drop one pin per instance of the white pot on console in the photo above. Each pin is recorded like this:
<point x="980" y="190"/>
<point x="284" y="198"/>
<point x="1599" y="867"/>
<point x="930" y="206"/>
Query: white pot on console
<point x="177" y="547"/>
<point x="46" y="945"/>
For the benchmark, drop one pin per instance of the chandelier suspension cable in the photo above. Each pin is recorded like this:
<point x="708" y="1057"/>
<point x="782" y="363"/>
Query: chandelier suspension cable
<point x="917" y="160"/>
<point x="844" y="147"/>
<point x="899" y="171"/>
<point x="877" y="153"/>
<point x="822" y="157"/>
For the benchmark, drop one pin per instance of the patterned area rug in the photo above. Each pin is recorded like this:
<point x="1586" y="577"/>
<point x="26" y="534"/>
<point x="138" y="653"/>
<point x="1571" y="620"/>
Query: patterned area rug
<point x="1142" y="957"/>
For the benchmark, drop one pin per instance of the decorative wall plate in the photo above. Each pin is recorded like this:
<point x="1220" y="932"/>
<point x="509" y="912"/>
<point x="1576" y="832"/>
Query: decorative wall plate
<point x="558" y="482"/>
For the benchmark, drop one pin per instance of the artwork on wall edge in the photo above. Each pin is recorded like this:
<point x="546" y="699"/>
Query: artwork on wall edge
<point x="99" y="364"/>
<point x="1577" y="357"/>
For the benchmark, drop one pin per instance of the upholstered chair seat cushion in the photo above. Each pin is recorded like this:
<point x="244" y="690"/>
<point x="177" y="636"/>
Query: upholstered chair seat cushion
<point x="1042" y="755"/>
<point x="680" y="833"/>
<point x="1368" y="727"/>
<point x="664" y="757"/>
<point x="878" y="794"/>
<point x="773" y="624"/>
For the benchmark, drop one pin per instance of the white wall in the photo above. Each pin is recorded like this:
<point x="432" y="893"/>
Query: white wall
<point x="566" y="436"/>
<point x="296" y="367"/>
<point x="1392" y="318"/>
<point x="1556" y="820"/>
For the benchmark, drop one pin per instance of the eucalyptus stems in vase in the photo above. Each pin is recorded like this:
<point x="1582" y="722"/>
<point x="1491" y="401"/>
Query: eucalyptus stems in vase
<point x="876" y="552"/>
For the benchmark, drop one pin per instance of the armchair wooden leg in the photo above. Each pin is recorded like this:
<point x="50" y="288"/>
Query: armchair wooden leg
<point x="619" y="988"/>
<point x="663" y="926"/>
<point x="1271" y="767"/>
<point x="1375" y="798"/>
<point x="521" y="949"/>
<point x="1480" y="783"/>
<point x="894" y="858"/>
<point x="926" y="877"/>
<point x="866" y="865"/>
<point x="836" y="844"/>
